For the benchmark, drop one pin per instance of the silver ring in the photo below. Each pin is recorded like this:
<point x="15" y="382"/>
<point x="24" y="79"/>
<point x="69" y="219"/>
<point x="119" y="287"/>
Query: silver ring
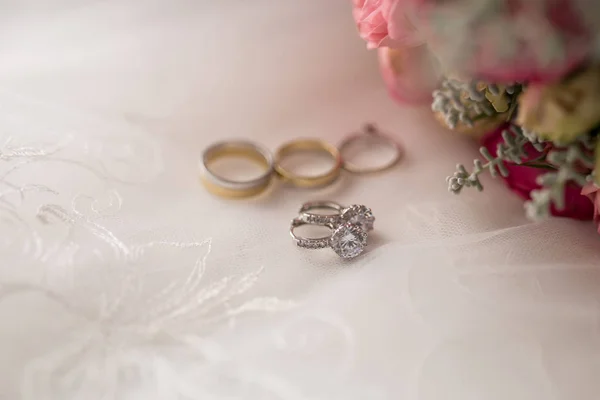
<point x="355" y="214"/>
<point x="347" y="240"/>
<point x="321" y="219"/>
<point x="233" y="188"/>
<point x="370" y="130"/>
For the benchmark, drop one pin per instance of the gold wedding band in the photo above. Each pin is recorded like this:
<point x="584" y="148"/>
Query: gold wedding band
<point x="229" y="188"/>
<point x="371" y="131"/>
<point x="303" y="145"/>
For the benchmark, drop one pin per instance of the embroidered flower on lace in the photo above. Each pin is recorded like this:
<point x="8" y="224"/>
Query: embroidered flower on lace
<point x="140" y="315"/>
<point x="111" y="152"/>
<point x="138" y="307"/>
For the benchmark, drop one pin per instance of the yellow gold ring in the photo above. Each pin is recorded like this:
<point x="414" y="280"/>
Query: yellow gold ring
<point x="229" y="188"/>
<point x="370" y="131"/>
<point x="304" y="145"/>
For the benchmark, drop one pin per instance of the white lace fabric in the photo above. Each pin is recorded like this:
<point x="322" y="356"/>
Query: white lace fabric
<point x="121" y="278"/>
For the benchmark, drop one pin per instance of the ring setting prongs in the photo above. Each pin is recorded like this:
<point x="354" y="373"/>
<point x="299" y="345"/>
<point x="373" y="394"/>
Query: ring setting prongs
<point x="359" y="215"/>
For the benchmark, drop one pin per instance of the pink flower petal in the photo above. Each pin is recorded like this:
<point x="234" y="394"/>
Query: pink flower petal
<point x="518" y="40"/>
<point x="408" y="74"/>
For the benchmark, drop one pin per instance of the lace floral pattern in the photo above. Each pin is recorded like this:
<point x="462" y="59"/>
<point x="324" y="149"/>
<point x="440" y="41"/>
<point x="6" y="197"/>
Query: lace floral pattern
<point x="138" y="306"/>
<point x="121" y="279"/>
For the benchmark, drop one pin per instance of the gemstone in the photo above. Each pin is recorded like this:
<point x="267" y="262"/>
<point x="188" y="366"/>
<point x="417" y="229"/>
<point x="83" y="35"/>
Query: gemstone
<point x="359" y="215"/>
<point x="320" y="243"/>
<point x="348" y="240"/>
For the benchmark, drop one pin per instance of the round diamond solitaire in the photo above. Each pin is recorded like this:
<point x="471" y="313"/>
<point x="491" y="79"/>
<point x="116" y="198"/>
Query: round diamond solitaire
<point x="348" y="240"/>
<point x="359" y="215"/>
<point x="348" y="224"/>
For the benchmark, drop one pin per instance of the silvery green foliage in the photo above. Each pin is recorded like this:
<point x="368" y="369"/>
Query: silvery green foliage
<point x="533" y="138"/>
<point x="570" y="162"/>
<point x="447" y="100"/>
<point x="511" y="149"/>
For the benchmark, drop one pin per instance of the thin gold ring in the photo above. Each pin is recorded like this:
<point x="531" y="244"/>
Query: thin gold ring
<point x="302" y="145"/>
<point x="371" y="131"/>
<point x="237" y="189"/>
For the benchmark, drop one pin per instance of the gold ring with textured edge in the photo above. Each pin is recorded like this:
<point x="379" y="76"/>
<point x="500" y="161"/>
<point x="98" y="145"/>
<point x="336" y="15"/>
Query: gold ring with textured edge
<point x="370" y="130"/>
<point x="229" y="188"/>
<point x="301" y="145"/>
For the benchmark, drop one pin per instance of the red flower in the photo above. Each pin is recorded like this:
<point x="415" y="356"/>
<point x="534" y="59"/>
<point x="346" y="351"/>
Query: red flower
<point x="522" y="180"/>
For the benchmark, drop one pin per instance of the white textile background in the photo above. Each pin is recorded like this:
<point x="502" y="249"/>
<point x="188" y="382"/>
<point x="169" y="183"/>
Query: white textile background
<point x="121" y="278"/>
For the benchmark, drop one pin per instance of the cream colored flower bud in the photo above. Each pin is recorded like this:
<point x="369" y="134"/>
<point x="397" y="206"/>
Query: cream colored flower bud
<point x="563" y="111"/>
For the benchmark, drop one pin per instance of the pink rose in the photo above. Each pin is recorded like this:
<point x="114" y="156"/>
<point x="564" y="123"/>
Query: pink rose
<point x="591" y="191"/>
<point x="548" y="37"/>
<point x="499" y="40"/>
<point x="408" y="73"/>
<point x="522" y="180"/>
<point x="384" y="23"/>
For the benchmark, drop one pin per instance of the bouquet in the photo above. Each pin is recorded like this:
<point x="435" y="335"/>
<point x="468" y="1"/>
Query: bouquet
<point x="520" y="76"/>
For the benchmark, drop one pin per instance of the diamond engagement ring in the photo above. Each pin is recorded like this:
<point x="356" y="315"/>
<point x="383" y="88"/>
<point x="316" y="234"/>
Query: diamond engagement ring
<point x="356" y="214"/>
<point x="347" y="240"/>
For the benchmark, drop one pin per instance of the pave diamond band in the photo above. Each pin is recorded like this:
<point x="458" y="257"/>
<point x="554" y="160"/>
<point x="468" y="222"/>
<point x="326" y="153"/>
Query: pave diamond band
<point x="333" y="218"/>
<point x="307" y="243"/>
<point x="347" y="240"/>
<point x="356" y="214"/>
